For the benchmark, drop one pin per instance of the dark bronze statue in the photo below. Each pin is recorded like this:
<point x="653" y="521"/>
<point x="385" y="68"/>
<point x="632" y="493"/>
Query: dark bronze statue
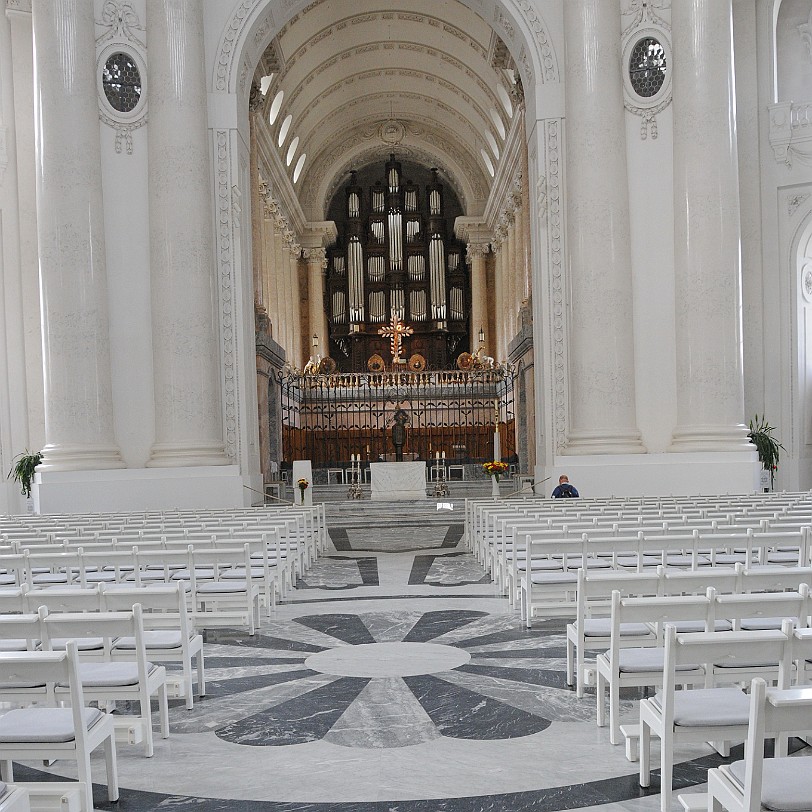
<point x="401" y="418"/>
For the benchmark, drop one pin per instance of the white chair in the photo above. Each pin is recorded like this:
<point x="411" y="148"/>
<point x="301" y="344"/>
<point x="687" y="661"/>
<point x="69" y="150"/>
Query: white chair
<point x="135" y="679"/>
<point x="591" y="630"/>
<point x="758" y="783"/>
<point x="643" y="667"/>
<point x="713" y="714"/>
<point x="45" y="733"/>
<point x="169" y="636"/>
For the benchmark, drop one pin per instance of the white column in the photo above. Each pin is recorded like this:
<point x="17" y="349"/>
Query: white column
<point x="499" y="299"/>
<point x="510" y="277"/>
<point x="269" y="283"/>
<point x="297" y="348"/>
<point x="316" y="261"/>
<point x="710" y="387"/>
<point x="479" y="295"/>
<point x="601" y="349"/>
<point x="70" y="224"/>
<point x="188" y="409"/>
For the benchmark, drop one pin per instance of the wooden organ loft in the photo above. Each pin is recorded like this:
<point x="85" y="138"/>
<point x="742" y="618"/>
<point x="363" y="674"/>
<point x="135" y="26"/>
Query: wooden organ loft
<point x="396" y="257"/>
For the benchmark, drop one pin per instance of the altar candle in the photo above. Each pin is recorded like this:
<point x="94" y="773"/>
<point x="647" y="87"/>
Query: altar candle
<point x="352" y="459"/>
<point x="443" y="454"/>
<point x="438" y="455"/>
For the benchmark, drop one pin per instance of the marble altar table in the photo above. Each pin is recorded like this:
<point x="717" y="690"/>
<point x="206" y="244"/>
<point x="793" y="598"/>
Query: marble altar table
<point x="398" y="481"/>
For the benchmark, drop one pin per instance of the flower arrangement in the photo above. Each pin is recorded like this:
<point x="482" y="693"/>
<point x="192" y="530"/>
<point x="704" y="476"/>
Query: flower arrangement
<point x="23" y="470"/>
<point x="302" y="485"/>
<point x="768" y="447"/>
<point x="495" y="468"/>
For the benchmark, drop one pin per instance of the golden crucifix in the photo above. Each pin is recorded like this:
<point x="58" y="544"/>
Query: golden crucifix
<point x="397" y="331"/>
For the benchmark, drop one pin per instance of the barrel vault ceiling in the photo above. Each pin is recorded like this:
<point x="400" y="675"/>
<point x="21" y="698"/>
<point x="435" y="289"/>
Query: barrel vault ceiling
<point x="426" y="79"/>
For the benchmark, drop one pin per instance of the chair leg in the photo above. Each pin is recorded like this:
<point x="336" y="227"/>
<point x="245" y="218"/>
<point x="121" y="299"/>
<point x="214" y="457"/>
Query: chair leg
<point x="146" y="722"/>
<point x="614" y="712"/>
<point x="201" y="681"/>
<point x="84" y="776"/>
<point x="163" y="708"/>
<point x="600" y="693"/>
<point x="666" y="771"/>
<point x="111" y="766"/>
<point x="7" y="771"/>
<point x="645" y="754"/>
<point x="570" y="659"/>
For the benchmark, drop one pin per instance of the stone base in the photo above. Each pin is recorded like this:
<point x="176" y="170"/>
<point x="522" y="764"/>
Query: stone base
<point x="680" y="474"/>
<point x="144" y="489"/>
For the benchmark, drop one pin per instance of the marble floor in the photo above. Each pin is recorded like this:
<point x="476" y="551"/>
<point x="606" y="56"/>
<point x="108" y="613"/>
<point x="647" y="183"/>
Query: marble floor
<point x="393" y="679"/>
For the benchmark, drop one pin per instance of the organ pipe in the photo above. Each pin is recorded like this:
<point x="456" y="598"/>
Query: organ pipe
<point x="395" y="240"/>
<point x="355" y="264"/>
<point x="437" y="277"/>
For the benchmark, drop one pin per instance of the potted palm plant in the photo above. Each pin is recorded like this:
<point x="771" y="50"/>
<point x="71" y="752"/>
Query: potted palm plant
<point x="767" y="446"/>
<point x="23" y="470"/>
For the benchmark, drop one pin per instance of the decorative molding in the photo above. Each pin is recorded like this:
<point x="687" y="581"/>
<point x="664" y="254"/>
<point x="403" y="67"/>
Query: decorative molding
<point x="121" y="20"/>
<point x="225" y="248"/>
<point x="805" y="31"/>
<point x="228" y="42"/>
<point x="791" y="132"/>
<point x="553" y="164"/>
<point x="794" y="201"/>
<point x="643" y="13"/>
<point x="646" y="22"/>
<point x="549" y="62"/>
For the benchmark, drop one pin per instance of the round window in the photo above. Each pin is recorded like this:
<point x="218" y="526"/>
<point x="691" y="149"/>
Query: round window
<point x="121" y="81"/>
<point x="647" y="66"/>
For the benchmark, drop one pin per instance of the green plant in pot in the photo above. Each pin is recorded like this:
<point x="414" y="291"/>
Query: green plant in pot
<point x="23" y="470"/>
<point x="767" y="446"/>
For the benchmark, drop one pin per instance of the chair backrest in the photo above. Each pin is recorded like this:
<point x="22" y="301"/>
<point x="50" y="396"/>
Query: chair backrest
<point x="21" y="627"/>
<point x="711" y="649"/>
<point x="696" y="582"/>
<point x="107" y="625"/>
<point x="773" y="711"/>
<point x="51" y="667"/>
<point x="63" y="600"/>
<point x="163" y="606"/>
<point x="764" y="605"/>
<point x="775" y="579"/>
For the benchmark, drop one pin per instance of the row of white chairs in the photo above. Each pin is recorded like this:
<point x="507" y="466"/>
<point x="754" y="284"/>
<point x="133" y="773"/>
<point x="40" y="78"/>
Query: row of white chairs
<point x="545" y="580"/>
<point x="225" y="585"/>
<point x="170" y="636"/>
<point x="591" y="629"/>
<point x="626" y="664"/>
<point x="717" y="711"/>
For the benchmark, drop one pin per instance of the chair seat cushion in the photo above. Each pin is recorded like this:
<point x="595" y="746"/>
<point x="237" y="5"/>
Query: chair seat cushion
<point x="43" y="725"/>
<point x="7" y="579"/>
<point x="239" y="573"/>
<point x="706" y="707"/>
<point x="14" y="644"/>
<point x="639" y="660"/>
<point x="215" y="587"/>
<point x="82" y="643"/>
<point x="786" y="783"/>
<point x="550" y="578"/>
<point x="100" y="577"/>
<point x="602" y="627"/>
<point x="155" y="639"/>
<point x="200" y="572"/>
<point x="51" y="578"/>
<point x="760" y="624"/>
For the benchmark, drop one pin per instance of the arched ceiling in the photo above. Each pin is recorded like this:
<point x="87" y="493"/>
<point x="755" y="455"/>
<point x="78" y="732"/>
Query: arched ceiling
<point x="419" y="78"/>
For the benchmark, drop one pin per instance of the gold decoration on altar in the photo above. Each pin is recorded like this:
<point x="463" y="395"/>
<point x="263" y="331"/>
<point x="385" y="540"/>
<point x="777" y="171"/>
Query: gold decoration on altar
<point x="327" y="366"/>
<point x="397" y="331"/>
<point x="375" y="364"/>
<point x="417" y="363"/>
<point x="465" y="361"/>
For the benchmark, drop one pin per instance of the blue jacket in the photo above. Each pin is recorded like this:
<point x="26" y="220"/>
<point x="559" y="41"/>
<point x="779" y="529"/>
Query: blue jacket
<point x="565" y="491"/>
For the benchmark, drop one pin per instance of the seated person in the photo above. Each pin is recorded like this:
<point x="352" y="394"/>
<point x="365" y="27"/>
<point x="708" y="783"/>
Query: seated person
<point x="564" y="490"/>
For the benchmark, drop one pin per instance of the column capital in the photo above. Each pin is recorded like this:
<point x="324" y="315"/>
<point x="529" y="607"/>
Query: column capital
<point x="315" y="256"/>
<point x="476" y="249"/>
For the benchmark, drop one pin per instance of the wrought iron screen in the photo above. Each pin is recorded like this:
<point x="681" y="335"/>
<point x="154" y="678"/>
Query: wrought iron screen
<point x="326" y="418"/>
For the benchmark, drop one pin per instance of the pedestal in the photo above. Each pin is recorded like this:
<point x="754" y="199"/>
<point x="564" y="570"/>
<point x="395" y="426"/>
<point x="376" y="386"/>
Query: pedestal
<point x="302" y="469"/>
<point x="398" y="481"/>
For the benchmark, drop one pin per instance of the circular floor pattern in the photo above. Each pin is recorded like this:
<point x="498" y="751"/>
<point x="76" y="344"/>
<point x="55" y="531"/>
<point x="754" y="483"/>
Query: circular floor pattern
<point x="387" y="660"/>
